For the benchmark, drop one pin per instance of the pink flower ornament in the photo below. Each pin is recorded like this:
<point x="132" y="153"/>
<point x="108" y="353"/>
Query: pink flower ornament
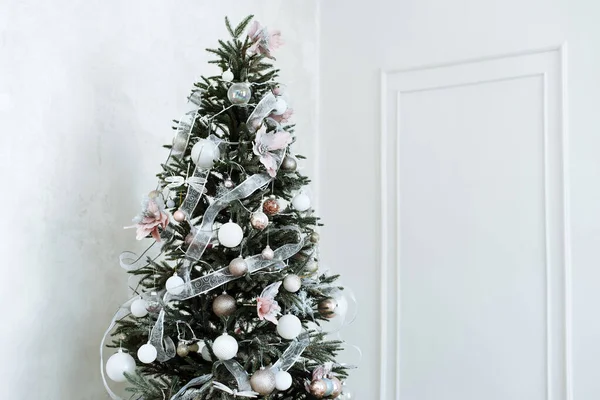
<point x="151" y="218"/>
<point x="266" y="143"/>
<point x="263" y="41"/>
<point x="266" y="305"/>
<point x="283" y="118"/>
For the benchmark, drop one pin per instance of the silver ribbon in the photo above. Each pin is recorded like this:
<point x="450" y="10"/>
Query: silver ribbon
<point x="292" y="353"/>
<point x="239" y="373"/>
<point x="262" y="109"/>
<point x="202" y="380"/>
<point x="184" y="127"/>
<point x="248" y="394"/>
<point x="166" y="349"/>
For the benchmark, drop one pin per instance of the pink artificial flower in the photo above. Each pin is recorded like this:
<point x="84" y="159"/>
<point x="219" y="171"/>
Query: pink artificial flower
<point x="151" y="218"/>
<point x="266" y="305"/>
<point x="283" y="118"/>
<point x="266" y="142"/>
<point x="263" y="41"/>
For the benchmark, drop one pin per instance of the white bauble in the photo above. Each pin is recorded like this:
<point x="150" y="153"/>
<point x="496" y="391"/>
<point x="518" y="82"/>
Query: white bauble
<point x="289" y="327"/>
<point x="230" y="234"/>
<point x="292" y="283"/>
<point x="139" y="308"/>
<point x="280" y="106"/>
<point x="227" y="76"/>
<point x="204" y="153"/>
<point x="119" y="364"/>
<point x="174" y="285"/>
<point x="283" y="380"/>
<point x="147" y="353"/>
<point x="225" y="347"/>
<point x="301" y="202"/>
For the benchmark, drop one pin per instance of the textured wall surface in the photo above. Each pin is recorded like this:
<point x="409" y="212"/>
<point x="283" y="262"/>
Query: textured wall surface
<point x="88" y="90"/>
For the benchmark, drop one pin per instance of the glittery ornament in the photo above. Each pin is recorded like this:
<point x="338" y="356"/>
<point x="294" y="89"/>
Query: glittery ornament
<point x="289" y="164"/>
<point x="271" y="206"/>
<point x="179" y="216"/>
<point x="224" y="305"/>
<point x="228" y="183"/>
<point x="263" y="381"/>
<point x="239" y="93"/>
<point x="315" y="237"/>
<point x="259" y="220"/>
<point x="153" y="303"/>
<point x="182" y="349"/>
<point x="327" y="308"/>
<point x="238" y="266"/>
<point x="268" y="253"/>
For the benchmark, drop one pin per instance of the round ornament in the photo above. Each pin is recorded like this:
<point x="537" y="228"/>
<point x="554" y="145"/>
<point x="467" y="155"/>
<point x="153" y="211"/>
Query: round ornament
<point x="179" y="216"/>
<point x="239" y="93"/>
<point x="259" y="220"/>
<point x="263" y="381"/>
<point x="228" y="183"/>
<point x="119" y="364"/>
<point x="174" y="285"/>
<point x="170" y="203"/>
<point x="230" y="234"/>
<point x="311" y="267"/>
<point x="301" y="202"/>
<point x="182" y="349"/>
<point x="147" y="353"/>
<point x="283" y="380"/>
<point x="224" y="305"/>
<point x="139" y="308"/>
<point x="204" y="153"/>
<point x="289" y="327"/>
<point x="189" y="238"/>
<point x="267" y="253"/>
<point x="154" y="305"/>
<point x="227" y="76"/>
<point x="238" y="266"/>
<point x="271" y="206"/>
<point x="292" y="283"/>
<point x="326" y="388"/>
<point x="315" y="237"/>
<point x="225" y="347"/>
<point x="327" y="308"/>
<point x="154" y="194"/>
<point x="194" y="347"/>
<point x="280" y="106"/>
<point x="289" y="163"/>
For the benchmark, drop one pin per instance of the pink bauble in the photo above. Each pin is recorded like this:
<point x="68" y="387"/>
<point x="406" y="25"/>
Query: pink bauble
<point x="179" y="216"/>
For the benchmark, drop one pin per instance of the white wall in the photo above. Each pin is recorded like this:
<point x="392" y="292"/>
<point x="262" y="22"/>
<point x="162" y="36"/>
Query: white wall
<point x="359" y="39"/>
<point x="88" y="90"/>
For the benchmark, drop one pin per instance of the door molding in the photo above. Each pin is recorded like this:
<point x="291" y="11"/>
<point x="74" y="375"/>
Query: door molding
<point x="556" y="197"/>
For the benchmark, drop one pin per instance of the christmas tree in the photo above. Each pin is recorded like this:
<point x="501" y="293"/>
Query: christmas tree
<point x="229" y="301"/>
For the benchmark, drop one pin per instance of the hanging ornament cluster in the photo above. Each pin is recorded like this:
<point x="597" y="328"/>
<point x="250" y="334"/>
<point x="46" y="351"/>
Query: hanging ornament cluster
<point x="230" y="234"/>
<point x="118" y="365"/>
<point x="263" y="381"/>
<point x="326" y="388"/>
<point x="224" y="305"/>
<point x="239" y="93"/>
<point x="184" y="348"/>
<point x="225" y="347"/>
<point x="205" y="153"/>
<point x="271" y="206"/>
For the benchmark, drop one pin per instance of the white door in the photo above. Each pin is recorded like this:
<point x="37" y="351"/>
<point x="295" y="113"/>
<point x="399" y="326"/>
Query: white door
<point x="459" y="185"/>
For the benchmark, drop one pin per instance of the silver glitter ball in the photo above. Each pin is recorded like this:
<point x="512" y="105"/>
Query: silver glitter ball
<point x="263" y="382"/>
<point x="289" y="164"/>
<point x="182" y="349"/>
<point x="238" y="266"/>
<point x="224" y="305"/>
<point x="259" y="220"/>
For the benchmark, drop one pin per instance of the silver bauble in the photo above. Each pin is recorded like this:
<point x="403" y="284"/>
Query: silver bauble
<point x="263" y="382"/>
<point x="268" y="253"/>
<point x="224" y="305"/>
<point x="238" y="267"/>
<point x="315" y="237"/>
<point x="239" y="93"/>
<point x="259" y="220"/>
<point x="289" y="164"/>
